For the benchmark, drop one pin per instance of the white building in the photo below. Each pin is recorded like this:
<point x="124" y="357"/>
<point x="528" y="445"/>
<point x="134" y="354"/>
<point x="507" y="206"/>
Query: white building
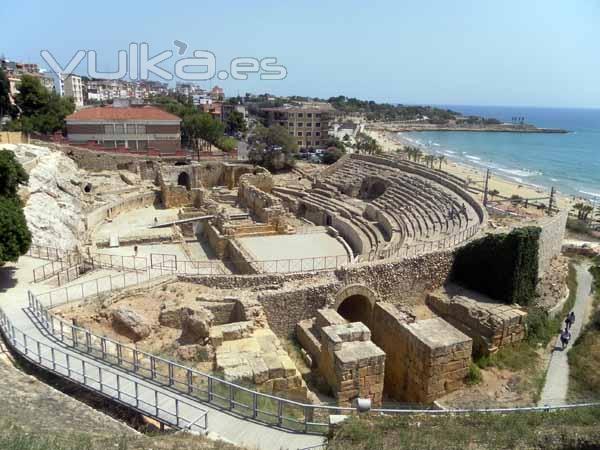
<point x="70" y="86"/>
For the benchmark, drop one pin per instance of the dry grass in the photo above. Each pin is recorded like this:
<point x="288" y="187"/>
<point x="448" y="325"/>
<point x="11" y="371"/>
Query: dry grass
<point x="573" y="429"/>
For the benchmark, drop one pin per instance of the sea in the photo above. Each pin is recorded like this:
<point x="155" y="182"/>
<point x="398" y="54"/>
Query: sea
<point x="569" y="162"/>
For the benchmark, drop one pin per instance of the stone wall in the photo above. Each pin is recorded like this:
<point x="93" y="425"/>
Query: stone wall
<point x="288" y="306"/>
<point x="550" y="243"/>
<point x="287" y="302"/>
<point x="490" y="325"/>
<point x="175" y="196"/>
<point x="425" y="359"/>
<point x="94" y="160"/>
<point x="402" y="281"/>
<point x="352" y="365"/>
<point x="254" y="193"/>
<point x="98" y="215"/>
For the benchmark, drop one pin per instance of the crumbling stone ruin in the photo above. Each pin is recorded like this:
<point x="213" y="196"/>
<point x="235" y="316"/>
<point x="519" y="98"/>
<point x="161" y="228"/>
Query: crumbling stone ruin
<point x="491" y="325"/>
<point x="409" y="360"/>
<point x="360" y="324"/>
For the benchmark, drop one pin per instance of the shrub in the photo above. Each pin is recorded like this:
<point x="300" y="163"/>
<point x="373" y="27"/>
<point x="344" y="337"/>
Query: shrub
<point x="474" y="375"/>
<point x="502" y="266"/>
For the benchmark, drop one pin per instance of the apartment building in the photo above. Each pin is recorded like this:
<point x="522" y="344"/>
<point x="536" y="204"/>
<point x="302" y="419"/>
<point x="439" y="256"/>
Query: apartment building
<point x="308" y="123"/>
<point x="70" y="86"/>
<point x="137" y="128"/>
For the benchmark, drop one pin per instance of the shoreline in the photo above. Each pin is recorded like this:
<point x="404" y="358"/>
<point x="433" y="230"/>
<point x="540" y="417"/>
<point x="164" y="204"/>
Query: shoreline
<point x="418" y="129"/>
<point x="507" y="187"/>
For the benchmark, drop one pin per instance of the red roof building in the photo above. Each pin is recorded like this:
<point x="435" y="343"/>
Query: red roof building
<point x="137" y="128"/>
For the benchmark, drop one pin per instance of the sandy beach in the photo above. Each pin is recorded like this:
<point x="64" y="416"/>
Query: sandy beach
<point x="391" y="142"/>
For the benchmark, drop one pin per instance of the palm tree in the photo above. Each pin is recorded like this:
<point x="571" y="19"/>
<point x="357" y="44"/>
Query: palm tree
<point x="430" y="160"/>
<point x="418" y="154"/>
<point x="442" y="160"/>
<point x="583" y="210"/>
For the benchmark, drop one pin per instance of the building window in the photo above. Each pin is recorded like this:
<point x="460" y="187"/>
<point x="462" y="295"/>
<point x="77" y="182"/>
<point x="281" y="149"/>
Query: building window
<point x="299" y="133"/>
<point x="291" y="133"/>
<point x="309" y="124"/>
<point x="109" y="129"/>
<point x="308" y="114"/>
<point x="318" y="124"/>
<point x="317" y="133"/>
<point x="299" y="142"/>
<point x="119" y="128"/>
<point x="318" y="143"/>
<point x="282" y="124"/>
<point x="308" y="133"/>
<point x="130" y="128"/>
<point x="291" y="124"/>
<point x="318" y="115"/>
<point x="141" y="129"/>
<point x="300" y="124"/>
<point x="300" y="115"/>
<point x="308" y="143"/>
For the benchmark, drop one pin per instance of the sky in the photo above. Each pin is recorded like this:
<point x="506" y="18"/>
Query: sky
<point x="480" y="52"/>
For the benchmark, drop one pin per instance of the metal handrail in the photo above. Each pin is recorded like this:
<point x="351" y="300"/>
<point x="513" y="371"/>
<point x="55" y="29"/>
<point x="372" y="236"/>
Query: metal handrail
<point x="146" y="365"/>
<point x="33" y="350"/>
<point x="69" y="334"/>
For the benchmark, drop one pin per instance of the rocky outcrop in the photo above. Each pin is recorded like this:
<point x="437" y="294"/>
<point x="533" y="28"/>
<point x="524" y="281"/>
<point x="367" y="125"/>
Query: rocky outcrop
<point x="130" y="324"/>
<point x="54" y="195"/>
<point x="195" y="325"/>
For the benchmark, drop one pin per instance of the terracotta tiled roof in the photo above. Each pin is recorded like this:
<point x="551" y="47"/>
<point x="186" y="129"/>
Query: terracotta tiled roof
<point x="129" y="113"/>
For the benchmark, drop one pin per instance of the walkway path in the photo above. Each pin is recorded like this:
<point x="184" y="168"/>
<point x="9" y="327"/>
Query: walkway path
<point x="17" y="279"/>
<point x="557" y="378"/>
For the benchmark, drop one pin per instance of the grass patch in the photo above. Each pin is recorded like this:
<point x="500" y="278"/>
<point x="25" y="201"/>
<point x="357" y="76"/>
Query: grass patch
<point x="474" y="375"/>
<point x="15" y="437"/>
<point x="572" y="429"/>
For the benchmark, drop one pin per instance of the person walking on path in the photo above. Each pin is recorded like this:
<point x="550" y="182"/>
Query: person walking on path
<point x="571" y="318"/>
<point x="565" y="337"/>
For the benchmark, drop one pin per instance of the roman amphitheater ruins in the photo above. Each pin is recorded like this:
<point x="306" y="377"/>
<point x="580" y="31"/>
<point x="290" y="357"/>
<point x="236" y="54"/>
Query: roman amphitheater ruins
<point x="272" y="297"/>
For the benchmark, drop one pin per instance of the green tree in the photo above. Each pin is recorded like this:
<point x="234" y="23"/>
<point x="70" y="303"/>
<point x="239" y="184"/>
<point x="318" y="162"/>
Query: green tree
<point x="367" y="145"/>
<point x="442" y="160"/>
<point x="583" y="210"/>
<point x="12" y="174"/>
<point x="273" y="148"/>
<point x="227" y="144"/>
<point x="15" y="237"/>
<point x="332" y="154"/>
<point x="5" y="105"/>
<point x="200" y="125"/>
<point x="42" y="111"/>
<point x="235" y="123"/>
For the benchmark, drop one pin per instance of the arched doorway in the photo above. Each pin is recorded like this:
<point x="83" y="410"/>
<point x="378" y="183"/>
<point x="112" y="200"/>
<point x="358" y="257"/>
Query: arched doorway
<point x="356" y="308"/>
<point x="184" y="180"/>
<point x="355" y="303"/>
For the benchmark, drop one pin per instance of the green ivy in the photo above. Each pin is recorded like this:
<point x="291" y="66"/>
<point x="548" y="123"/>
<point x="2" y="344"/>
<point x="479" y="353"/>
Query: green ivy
<point x="502" y="266"/>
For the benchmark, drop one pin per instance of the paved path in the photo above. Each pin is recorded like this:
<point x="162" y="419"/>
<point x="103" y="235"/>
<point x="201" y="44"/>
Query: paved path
<point x="557" y="378"/>
<point x="17" y="279"/>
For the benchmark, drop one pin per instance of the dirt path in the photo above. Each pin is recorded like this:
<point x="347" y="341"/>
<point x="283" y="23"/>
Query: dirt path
<point x="557" y="378"/>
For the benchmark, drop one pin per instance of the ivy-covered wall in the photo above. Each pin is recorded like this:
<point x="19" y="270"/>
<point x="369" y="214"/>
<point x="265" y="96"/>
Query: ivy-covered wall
<point x="502" y="266"/>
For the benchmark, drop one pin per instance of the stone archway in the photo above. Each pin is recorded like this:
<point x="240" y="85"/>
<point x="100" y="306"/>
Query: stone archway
<point x="355" y="303"/>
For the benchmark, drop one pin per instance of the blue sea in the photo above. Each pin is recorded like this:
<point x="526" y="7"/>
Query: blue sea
<point x="569" y="162"/>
